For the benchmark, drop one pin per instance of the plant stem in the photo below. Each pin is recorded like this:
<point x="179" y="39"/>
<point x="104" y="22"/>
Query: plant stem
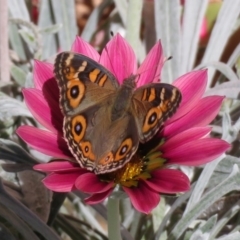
<point x="113" y="219"/>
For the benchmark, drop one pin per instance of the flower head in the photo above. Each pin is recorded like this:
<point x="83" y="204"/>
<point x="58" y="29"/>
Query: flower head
<point x="184" y="138"/>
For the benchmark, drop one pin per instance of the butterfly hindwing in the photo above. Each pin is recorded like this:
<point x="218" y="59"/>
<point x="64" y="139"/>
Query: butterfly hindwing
<point x="153" y="105"/>
<point x="99" y="144"/>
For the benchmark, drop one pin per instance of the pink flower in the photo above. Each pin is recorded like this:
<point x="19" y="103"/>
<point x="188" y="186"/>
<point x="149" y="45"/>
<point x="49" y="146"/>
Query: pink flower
<point x="184" y="139"/>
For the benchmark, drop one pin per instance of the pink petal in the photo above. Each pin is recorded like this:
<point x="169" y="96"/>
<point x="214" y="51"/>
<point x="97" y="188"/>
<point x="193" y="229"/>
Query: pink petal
<point x="58" y="166"/>
<point x="118" y="57"/>
<point x="192" y="86"/>
<point x="197" y="152"/>
<point x="168" y="181"/>
<point x="142" y="197"/>
<point x="90" y="183"/>
<point x="185" y="137"/>
<point x="44" y="141"/>
<point x="45" y="81"/>
<point x="98" y="197"/>
<point x="37" y="105"/>
<point x="63" y="182"/>
<point x="152" y="65"/>
<point x="202" y="114"/>
<point x="41" y="73"/>
<point x="83" y="47"/>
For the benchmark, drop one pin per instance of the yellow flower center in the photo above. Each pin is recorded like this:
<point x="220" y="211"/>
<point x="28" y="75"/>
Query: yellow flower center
<point x="137" y="168"/>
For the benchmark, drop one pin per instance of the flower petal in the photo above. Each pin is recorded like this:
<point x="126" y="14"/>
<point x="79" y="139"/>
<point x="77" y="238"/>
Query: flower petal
<point x="192" y="86"/>
<point x="41" y="73"/>
<point x="90" y="183"/>
<point x="83" y="47"/>
<point x="58" y="166"/>
<point x="202" y="114"/>
<point x="185" y="137"/>
<point x="63" y="182"/>
<point x="118" y="57"/>
<point x="37" y="105"/>
<point x="142" y="197"/>
<point x="44" y="141"/>
<point x="168" y="181"/>
<point x="197" y="152"/>
<point x="152" y="65"/>
<point x="98" y="197"/>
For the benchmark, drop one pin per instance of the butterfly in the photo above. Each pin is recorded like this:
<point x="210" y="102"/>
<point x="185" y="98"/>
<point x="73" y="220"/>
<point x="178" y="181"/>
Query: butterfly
<point x="104" y="122"/>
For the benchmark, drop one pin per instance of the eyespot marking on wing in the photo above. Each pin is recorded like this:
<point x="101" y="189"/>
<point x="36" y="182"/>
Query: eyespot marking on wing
<point x="87" y="152"/>
<point x="78" y="127"/>
<point x="124" y="149"/>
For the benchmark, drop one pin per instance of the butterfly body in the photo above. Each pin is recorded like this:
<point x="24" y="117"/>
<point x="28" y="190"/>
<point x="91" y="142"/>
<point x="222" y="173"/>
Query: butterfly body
<point x="103" y="120"/>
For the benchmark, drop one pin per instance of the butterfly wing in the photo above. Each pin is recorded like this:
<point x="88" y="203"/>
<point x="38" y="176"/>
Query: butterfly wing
<point x="82" y="82"/>
<point x="153" y="104"/>
<point x="99" y="144"/>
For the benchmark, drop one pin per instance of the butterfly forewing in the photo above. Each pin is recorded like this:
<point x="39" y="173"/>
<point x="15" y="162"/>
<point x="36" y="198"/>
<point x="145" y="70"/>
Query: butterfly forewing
<point x="82" y="82"/>
<point x="153" y="105"/>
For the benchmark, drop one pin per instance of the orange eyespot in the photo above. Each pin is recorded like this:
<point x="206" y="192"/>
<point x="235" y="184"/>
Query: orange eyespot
<point x="106" y="159"/>
<point x="75" y="92"/>
<point x="78" y="127"/>
<point x="152" y="118"/>
<point x="86" y="148"/>
<point x="124" y="149"/>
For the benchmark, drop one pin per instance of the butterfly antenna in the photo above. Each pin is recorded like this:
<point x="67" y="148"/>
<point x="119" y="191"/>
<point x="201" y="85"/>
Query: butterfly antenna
<point x="111" y="33"/>
<point x="155" y="68"/>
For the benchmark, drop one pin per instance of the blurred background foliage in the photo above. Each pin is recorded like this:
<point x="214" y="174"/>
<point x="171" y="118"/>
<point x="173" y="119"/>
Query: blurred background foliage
<point x="197" y="34"/>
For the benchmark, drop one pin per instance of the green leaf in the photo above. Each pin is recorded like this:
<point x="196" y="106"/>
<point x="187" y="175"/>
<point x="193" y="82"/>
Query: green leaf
<point x="122" y="10"/>
<point x="50" y="29"/>
<point x="134" y="24"/>
<point x="193" y="15"/>
<point x="224" y="220"/>
<point x="64" y="13"/>
<point x="201" y="184"/>
<point x="11" y="108"/>
<point x="221" y="67"/>
<point x="45" y="20"/>
<point x="202" y="232"/>
<point x="237" y="66"/>
<point x="17" y="223"/>
<point x="28" y="216"/>
<point x="28" y="38"/>
<point x="222" y="29"/>
<point x="233" y="236"/>
<point x="230" y="184"/>
<point x="16" y="42"/>
<point x="18" y="9"/>
<point x="229" y="89"/>
<point x="18" y="74"/>
<point x="167" y="19"/>
<point x="179" y="201"/>
<point x="11" y="151"/>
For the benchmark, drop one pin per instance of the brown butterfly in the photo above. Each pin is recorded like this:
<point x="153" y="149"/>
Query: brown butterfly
<point x="103" y="120"/>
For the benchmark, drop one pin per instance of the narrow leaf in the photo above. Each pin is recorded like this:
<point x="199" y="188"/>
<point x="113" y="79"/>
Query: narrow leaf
<point x="167" y="20"/>
<point x="223" y="28"/>
<point x="18" y="74"/>
<point x="230" y="184"/>
<point x="192" y="21"/>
